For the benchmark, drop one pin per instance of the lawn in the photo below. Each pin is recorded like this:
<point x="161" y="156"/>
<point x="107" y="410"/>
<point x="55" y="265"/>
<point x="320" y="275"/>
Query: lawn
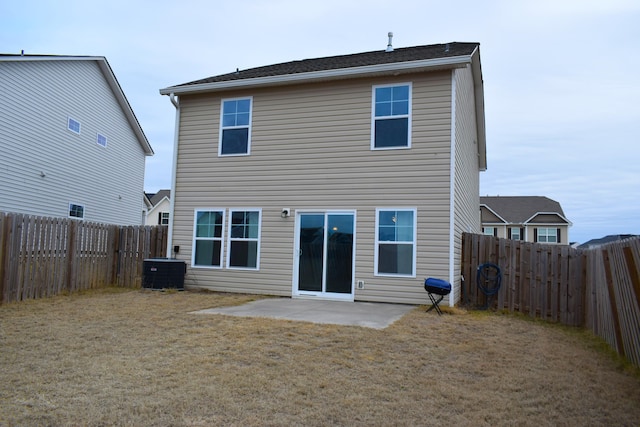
<point x="140" y="358"/>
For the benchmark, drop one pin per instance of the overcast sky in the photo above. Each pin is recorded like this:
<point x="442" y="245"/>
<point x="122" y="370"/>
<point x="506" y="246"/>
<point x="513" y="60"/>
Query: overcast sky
<point x="561" y="77"/>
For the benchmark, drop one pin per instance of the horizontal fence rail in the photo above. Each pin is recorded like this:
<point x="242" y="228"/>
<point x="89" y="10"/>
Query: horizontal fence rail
<point x="597" y="288"/>
<point x="41" y="257"/>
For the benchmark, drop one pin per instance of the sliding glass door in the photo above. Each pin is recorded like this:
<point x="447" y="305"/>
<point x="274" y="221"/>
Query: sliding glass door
<point x="325" y="252"/>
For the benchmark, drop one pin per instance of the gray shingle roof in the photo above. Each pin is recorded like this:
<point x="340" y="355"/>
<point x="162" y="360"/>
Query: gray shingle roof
<point x="407" y="54"/>
<point x="518" y="209"/>
<point x="157" y="197"/>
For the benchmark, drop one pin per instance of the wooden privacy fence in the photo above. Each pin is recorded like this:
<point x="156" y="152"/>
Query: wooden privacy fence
<point x="542" y="281"/>
<point x="613" y="295"/>
<point x="595" y="288"/>
<point x="41" y="257"/>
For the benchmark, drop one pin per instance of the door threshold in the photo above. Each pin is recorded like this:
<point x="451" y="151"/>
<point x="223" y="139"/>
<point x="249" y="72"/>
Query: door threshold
<point x="322" y="298"/>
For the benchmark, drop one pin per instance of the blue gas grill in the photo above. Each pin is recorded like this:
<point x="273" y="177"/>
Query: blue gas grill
<point x="437" y="290"/>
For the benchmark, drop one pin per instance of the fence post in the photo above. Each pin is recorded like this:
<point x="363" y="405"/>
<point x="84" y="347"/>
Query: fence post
<point x="634" y="273"/>
<point x="4" y="251"/>
<point x="71" y="254"/>
<point x="612" y="299"/>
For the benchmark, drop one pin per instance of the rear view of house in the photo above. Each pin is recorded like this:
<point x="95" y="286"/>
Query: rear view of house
<point x="70" y="144"/>
<point x="349" y="177"/>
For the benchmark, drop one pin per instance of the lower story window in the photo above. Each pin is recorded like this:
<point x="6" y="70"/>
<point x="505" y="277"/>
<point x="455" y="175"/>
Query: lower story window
<point x="395" y="250"/>
<point x="76" y="211"/>
<point x="490" y="231"/>
<point x="515" y="233"/>
<point x="244" y="239"/>
<point x="207" y="242"/>
<point x="548" y="235"/>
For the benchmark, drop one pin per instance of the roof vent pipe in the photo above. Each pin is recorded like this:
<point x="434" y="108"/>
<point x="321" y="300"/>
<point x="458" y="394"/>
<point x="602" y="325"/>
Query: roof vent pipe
<point x="390" y="45"/>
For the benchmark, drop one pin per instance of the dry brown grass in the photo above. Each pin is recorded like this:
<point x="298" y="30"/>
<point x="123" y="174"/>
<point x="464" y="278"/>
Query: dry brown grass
<point x="139" y="358"/>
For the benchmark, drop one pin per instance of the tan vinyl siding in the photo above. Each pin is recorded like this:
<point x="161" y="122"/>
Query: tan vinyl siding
<point x="310" y="149"/>
<point x="467" y="186"/>
<point x="489" y="217"/>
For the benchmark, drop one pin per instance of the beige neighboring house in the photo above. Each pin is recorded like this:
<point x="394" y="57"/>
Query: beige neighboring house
<point x="349" y="177"/>
<point x="158" y="207"/>
<point x="528" y="218"/>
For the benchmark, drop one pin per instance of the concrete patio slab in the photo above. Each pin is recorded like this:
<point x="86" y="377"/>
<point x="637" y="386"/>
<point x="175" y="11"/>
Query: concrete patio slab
<point x="365" y="314"/>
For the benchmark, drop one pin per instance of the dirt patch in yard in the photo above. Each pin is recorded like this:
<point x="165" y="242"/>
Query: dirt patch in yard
<point x="140" y="358"/>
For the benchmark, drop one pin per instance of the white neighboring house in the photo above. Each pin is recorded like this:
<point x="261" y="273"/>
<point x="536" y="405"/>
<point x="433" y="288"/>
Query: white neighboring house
<point x="158" y="207"/>
<point x="70" y="144"/>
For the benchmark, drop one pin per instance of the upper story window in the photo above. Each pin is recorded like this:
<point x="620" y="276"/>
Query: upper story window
<point x="76" y="211"/>
<point x="547" y="235"/>
<point x="102" y="140"/>
<point x="73" y="125"/>
<point x="235" y="129"/>
<point x="395" y="252"/>
<point x="391" y="127"/>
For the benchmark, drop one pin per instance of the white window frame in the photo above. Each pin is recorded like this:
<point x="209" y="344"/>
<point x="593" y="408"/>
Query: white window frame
<point x="223" y="128"/>
<point x="516" y="229"/>
<point x="164" y="219"/>
<point x="231" y="239"/>
<point x="72" y="129"/>
<point x="547" y="235"/>
<point x="408" y="116"/>
<point x="98" y="136"/>
<point x="486" y="229"/>
<point x="71" y="204"/>
<point x="413" y="242"/>
<point x="220" y="239"/>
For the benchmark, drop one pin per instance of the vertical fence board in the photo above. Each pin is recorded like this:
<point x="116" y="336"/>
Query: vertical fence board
<point x="4" y="232"/>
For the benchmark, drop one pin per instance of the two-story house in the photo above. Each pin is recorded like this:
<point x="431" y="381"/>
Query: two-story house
<point x="528" y="218"/>
<point x="349" y="177"/>
<point x="70" y="144"/>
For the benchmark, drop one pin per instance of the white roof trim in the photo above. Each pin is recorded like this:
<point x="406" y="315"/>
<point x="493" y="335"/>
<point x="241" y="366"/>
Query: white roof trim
<point x="451" y="62"/>
<point x="154" y="207"/>
<point x="547" y="213"/>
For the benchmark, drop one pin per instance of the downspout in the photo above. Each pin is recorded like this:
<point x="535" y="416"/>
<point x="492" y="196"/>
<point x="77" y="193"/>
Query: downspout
<point x="172" y="200"/>
<point x="452" y="192"/>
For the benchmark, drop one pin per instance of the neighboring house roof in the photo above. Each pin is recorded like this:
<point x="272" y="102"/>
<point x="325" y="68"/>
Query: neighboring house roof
<point x="110" y="77"/>
<point x="155" y="198"/>
<point x="367" y="64"/>
<point x="606" y="239"/>
<point x="523" y="209"/>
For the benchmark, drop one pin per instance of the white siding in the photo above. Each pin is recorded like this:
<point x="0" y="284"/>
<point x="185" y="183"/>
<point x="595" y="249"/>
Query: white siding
<point x="152" y="215"/>
<point x="467" y="185"/>
<point x="310" y="149"/>
<point x="37" y="97"/>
